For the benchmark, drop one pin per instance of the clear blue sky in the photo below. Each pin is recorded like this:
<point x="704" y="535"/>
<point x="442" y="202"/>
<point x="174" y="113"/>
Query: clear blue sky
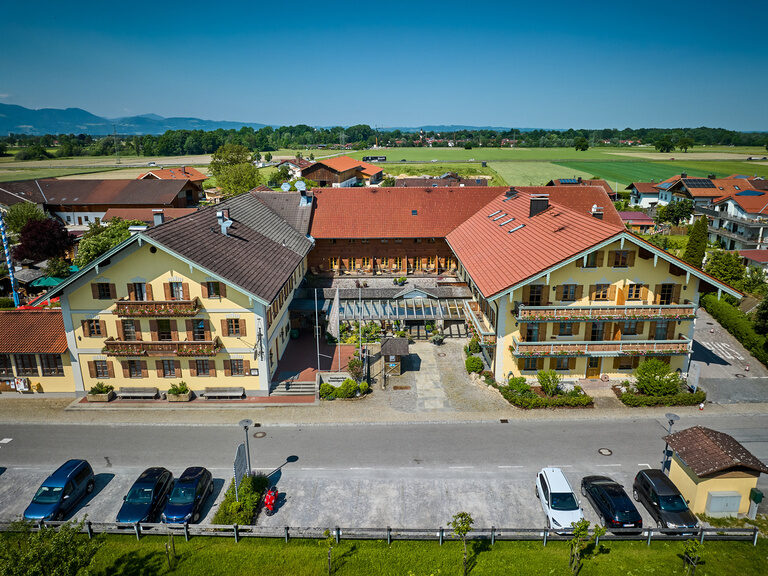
<point x="547" y="64"/>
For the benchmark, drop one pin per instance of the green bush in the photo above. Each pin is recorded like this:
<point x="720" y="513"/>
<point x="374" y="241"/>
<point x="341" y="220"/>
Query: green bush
<point x="680" y="399"/>
<point x="101" y="388"/>
<point x="327" y="391"/>
<point x="519" y="385"/>
<point x="530" y="400"/>
<point x="180" y="388"/>
<point x="6" y="303"/>
<point x="474" y="345"/>
<point x="242" y="512"/>
<point x="655" y="378"/>
<point x="437" y="339"/>
<point x="347" y="389"/>
<point x="549" y="380"/>
<point x="473" y="364"/>
<point x="489" y="377"/>
<point x="364" y="388"/>
<point x="401" y="334"/>
<point x="738" y="324"/>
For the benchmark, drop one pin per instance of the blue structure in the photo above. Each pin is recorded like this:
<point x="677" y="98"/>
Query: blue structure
<point x="8" y="262"/>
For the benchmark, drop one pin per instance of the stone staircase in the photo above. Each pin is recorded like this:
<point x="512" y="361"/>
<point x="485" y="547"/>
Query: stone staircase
<point x="292" y="388"/>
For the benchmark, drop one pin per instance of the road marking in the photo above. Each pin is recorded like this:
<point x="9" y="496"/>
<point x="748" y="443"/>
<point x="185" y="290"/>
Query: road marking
<point x="646" y="465"/>
<point x="561" y="466"/>
<point x="361" y="468"/>
<point x="459" y="467"/>
<point x="5" y="440"/>
<point x="502" y="466"/>
<point x="607" y="465"/>
<point x="314" y="468"/>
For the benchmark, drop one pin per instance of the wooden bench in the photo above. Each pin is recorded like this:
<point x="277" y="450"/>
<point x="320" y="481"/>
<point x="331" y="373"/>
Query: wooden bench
<point x="137" y="392"/>
<point x="233" y="392"/>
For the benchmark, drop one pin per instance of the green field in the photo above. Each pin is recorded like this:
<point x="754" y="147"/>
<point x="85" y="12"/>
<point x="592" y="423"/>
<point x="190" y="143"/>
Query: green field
<point x="33" y="173"/>
<point x="123" y="555"/>
<point x="534" y="173"/>
<point x="465" y="170"/>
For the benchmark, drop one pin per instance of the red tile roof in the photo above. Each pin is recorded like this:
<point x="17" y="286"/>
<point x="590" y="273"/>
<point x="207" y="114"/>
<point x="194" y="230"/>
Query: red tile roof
<point x="591" y="182"/>
<point x="707" y="451"/>
<point x="635" y="216"/>
<point x="389" y="212"/>
<point x="755" y="255"/>
<point x="32" y="332"/>
<point x="299" y="162"/>
<point x="344" y="163"/>
<point x="644" y="187"/>
<point x="750" y="204"/>
<point x="496" y="258"/>
<point x="579" y="198"/>
<point x="145" y="214"/>
<point x="183" y="173"/>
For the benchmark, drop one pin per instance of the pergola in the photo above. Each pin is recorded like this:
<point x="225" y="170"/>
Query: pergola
<point x="402" y="309"/>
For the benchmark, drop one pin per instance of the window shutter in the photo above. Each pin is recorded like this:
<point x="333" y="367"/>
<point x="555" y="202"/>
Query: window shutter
<point x="204" y="289"/>
<point x="84" y="326"/>
<point x="644" y="293"/>
<point x="559" y="293"/>
<point x="545" y="295"/>
<point x="592" y="291"/>
<point x="600" y="256"/>
<point x="579" y="292"/>
<point x="607" y="331"/>
<point x="95" y="291"/>
<point x="185" y="290"/>
<point x="523" y="331"/>
<point x="159" y="367"/>
<point x="588" y="331"/>
<point x="177" y="368"/>
<point x="631" y="258"/>
<point x="657" y="294"/>
<point x="119" y="326"/>
<point x="153" y="330"/>
<point x="207" y="327"/>
<point x="242" y="324"/>
<point x="612" y="292"/>
<point x="92" y="369"/>
<point x="571" y="363"/>
<point x="103" y="328"/>
<point x="611" y="258"/>
<point x="144" y="372"/>
<point x="579" y="262"/>
<point x="126" y="372"/>
<point x="110" y="369"/>
<point x="651" y="330"/>
<point x="671" y="330"/>
<point x="212" y="367"/>
<point x="189" y="328"/>
<point x="227" y="368"/>
<point x="676" y="294"/>
<point x="174" y="330"/>
<point x="618" y="330"/>
<point x="556" y="329"/>
<point x="193" y="367"/>
<point x="149" y="291"/>
<point x="131" y="293"/>
<point x="224" y="327"/>
<point x="222" y="289"/>
<point x="526" y="294"/>
<point x="137" y="329"/>
<point x="540" y="364"/>
<point x="640" y="328"/>
<point x="247" y="367"/>
<point x="553" y="363"/>
<point x="113" y="292"/>
<point x="616" y="363"/>
<point x="167" y="290"/>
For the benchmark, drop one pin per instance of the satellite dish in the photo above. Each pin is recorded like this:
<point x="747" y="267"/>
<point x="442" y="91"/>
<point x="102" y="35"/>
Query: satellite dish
<point x="285" y="187"/>
<point x="301" y="185"/>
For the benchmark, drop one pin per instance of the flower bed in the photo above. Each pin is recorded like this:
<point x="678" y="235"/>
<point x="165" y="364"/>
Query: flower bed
<point x="680" y="399"/>
<point x="520" y="394"/>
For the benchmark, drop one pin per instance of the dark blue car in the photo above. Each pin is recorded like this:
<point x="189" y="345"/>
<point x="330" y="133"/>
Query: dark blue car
<point x="146" y="497"/>
<point x="188" y="496"/>
<point x="610" y="501"/>
<point x="61" y="491"/>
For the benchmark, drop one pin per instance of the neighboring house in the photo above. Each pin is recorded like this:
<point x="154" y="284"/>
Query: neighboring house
<point x="755" y="257"/>
<point x="447" y="179"/>
<point x="637" y="221"/>
<point x="343" y="172"/>
<point x="738" y="221"/>
<point x="203" y="298"/>
<point x="150" y="216"/>
<point x="665" y="196"/>
<point x="20" y="191"/>
<point x="714" y="472"/>
<point x="644" y="194"/>
<point x="704" y="191"/>
<point x="591" y="200"/>
<point x="34" y="355"/>
<point x="581" y="182"/>
<point x="295" y="166"/>
<point x="182" y="173"/>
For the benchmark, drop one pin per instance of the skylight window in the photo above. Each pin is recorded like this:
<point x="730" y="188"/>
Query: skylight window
<point x="492" y="214"/>
<point x="414" y="212"/>
<point x="506" y="222"/>
<point x="500" y="216"/>
<point x="516" y="228"/>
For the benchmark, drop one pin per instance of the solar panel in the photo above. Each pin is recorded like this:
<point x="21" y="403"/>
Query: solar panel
<point x="568" y="181"/>
<point x="698" y="183"/>
<point x="750" y="193"/>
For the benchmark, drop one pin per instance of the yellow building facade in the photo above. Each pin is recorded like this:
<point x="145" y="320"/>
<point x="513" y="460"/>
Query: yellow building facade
<point x="696" y="490"/>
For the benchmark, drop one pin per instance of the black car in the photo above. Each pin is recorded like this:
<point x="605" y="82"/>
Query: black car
<point x="663" y="501"/>
<point x="147" y="496"/>
<point x="611" y="502"/>
<point x="188" y="496"/>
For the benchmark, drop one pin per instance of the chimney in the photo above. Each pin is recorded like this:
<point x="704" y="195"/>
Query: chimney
<point x="157" y="216"/>
<point x="539" y="203"/>
<point x="184" y="170"/>
<point x="597" y="211"/>
<point x="511" y="193"/>
<point x="684" y="175"/>
<point x="222" y="216"/>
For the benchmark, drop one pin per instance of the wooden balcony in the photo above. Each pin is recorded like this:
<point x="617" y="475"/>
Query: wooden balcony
<point x="601" y="348"/>
<point x="598" y="313"/>
<point x="157" y="308"/>
<point x="114" y="347"/>
<point x="485" y="331"/>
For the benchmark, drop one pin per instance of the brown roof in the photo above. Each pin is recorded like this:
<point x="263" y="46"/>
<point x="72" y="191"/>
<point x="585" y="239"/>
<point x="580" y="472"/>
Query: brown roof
<point x="290" y="206"/>
<point x="146" y="192"/>
<point x="579" y="198"/>
<point x="581" y="182"/>
<point x="755" y="255"/>
<point x="434" y="182"/>
<point x="755" y="202"/>
<point x="183" y="173"/>
<point x="20" y="191"/>
<point x="644" y="187"/>
<point x="32" y="332"/>
<point x="395" y="212"/>
<point x="145" y="214"/>
<point x="707" y="451"/>
<point x="344" y="163"/>
<point x="298" y="162"/>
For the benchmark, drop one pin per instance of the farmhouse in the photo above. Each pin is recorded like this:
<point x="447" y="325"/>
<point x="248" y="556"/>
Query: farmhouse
<point x="644" y="194"/>
<point x="637" y="221"/>
<point x="182" y="173"/>
<point x="343" y="172"/>
<point x="295" y="166"/>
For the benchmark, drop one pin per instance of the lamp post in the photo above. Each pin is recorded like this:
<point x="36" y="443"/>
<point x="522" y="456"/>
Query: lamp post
<point x="246" y="423"/>
<point x="671" y="419"/>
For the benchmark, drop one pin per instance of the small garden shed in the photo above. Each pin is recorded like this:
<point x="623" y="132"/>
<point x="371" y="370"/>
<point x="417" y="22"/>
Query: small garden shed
<point x="393" y="350"/>
<point x="713" y="471"/>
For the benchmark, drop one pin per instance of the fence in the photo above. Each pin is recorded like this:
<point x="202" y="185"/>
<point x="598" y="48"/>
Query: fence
<point x="493" y="534"/>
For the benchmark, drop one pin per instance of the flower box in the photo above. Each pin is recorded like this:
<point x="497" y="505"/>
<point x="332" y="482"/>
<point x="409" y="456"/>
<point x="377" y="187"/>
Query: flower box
<point x="101" y="397"/>
<point x="186" y="397"/>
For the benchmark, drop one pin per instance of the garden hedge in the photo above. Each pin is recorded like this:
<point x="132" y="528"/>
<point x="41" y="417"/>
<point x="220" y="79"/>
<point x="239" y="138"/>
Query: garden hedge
<point x="680" y="399"/>
<point x="738" y="324"/>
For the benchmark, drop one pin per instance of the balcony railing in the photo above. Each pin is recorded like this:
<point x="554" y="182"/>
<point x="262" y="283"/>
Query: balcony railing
<point x="157" y="308"/>
<point x="586" y="313"/>
<point x="752" y="222"/>
<point x="601" y="348"/>
<point x="753" y="238"/>
<point x="114" y="347"/>
<point x="482" y="326"/>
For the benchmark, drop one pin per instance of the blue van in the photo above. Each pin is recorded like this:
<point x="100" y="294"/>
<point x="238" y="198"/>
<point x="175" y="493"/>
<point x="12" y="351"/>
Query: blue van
<point x="61" y="491"/>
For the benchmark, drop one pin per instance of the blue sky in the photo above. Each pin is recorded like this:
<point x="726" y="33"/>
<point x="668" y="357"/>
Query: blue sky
<point x="546" y="64"/>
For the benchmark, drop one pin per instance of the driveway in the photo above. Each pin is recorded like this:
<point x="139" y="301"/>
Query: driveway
<point x="729" y="373"/>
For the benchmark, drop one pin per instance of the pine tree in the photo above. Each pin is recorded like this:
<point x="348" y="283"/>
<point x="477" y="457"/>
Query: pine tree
<point x="697" y="243"/>
<point x="760" y="319"/>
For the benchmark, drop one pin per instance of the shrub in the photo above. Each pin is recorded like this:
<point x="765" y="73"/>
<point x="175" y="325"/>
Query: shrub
<point x="679" y="399"/>
<point x="549" y="380"/>
<point x="347" y="389"/>
<point x="429" y="327"/>
<point x="437" y="339"/>
<point x="737" y="323"/>
<point x="474" y="345"/>
<point x="473" y="364"/>
<point x="519" y="385"/>
<point x="355" y="368"/>
<point x="6" y="303"/>
<point x="401" y="334"/>
<point x="530" y="400"/>
<point x="364" y="388"/>
<point x="251" y="491"/>
<point x="180" y="388"/>
<point x="655" y="378"/>
<point x="101" y="388"/>
<point x="489" y="377"/>
<point x="327" y="391"/>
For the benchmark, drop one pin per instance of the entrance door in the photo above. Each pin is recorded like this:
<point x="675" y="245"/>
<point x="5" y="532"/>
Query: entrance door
<point x="593" y="367"/>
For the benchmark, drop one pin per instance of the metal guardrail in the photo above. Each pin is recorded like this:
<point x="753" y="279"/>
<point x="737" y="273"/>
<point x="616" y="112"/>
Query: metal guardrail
<point x="440" y="534"/>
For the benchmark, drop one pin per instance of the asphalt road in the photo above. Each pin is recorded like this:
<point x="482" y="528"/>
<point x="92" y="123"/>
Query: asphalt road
<point x="414" y="475"/>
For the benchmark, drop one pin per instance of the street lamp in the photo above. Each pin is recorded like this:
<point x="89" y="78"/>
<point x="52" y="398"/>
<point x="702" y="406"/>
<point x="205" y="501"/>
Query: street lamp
<point x="671" y="419"/>
<point x="246" y="423"/>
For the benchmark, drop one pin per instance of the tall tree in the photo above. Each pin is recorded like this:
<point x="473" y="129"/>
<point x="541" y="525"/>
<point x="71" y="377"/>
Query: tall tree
<point x="726" y="266"/>
<point x="684" y="143"/>
<point x="697" y="243"/>
<point x="19" y="214"/>
<point x="228" y="155"/>
<point x="581" y="144"/>
<point x="100" y="239"/>
<point x="234" y="180"/>
<point x="664" y="144"/>
<point x="41" y="240"/>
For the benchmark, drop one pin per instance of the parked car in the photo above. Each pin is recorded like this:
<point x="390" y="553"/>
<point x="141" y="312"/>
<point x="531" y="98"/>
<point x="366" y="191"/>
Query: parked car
<point x="188" y="496"/>
<point x="557" y="499"/>
<point x="663" y="501"/>
<point x="614" y="508"/>
<point x="61" y="491"/>
<point x="147" y="496"/>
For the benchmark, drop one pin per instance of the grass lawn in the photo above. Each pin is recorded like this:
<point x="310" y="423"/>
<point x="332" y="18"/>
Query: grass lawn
<point x="535" y="173"/>
<point x="123" y="555"/>
<point x="463" y="169"/>
<point x="33" y="173"/>
<point x="676" y="243"/>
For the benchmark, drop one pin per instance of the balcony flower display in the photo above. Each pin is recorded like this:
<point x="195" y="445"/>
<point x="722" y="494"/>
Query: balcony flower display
<point x="155" y="308"/>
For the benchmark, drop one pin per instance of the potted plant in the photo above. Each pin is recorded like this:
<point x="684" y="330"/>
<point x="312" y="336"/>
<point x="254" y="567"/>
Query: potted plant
<point x="101" y="392"/>
<point x="437" y="339"/>
<point x="179" y="392"/>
